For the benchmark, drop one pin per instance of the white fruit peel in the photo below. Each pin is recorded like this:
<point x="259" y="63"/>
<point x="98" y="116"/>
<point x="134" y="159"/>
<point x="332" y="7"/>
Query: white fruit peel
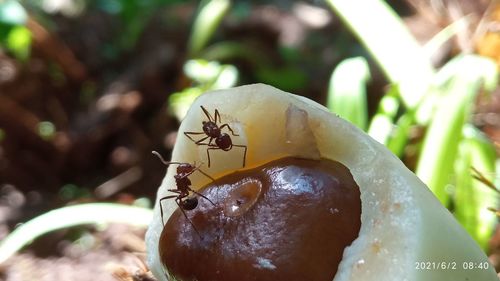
<point x="405" y="235"/>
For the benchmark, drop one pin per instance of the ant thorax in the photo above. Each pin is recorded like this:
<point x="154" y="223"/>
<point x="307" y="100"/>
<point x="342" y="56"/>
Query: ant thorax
<point x="182" y="181"/>
<point x="211" y="129"/>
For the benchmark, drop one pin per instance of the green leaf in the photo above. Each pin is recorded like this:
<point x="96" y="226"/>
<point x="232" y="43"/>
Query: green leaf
<point x="202" y="71"/>
<point x="382" y="124"/>
<point x="206" y="75"/>
<point x="210" y="14"/>
<point x="472" y="198"/>
<point x="286" y="78"/>
<point x="444" y="35"/>
<point x="444" y="134"/>
<point x="227" y="78"/>
<point x="391" y="44"/>
<point x="180" y="102"/>
<point x="19" y="42"/>
<point x="400" y="133"/>
<point x="94" y="213"/>
<point x="347" y="91"/>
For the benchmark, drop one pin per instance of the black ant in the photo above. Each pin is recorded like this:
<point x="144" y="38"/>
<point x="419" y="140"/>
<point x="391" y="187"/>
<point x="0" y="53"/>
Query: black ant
<point x="183" y="183"/>
<point x="213" y="132"/>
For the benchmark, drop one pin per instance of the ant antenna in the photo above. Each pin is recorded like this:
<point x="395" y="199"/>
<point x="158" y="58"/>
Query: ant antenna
<point x="195" y="168"/>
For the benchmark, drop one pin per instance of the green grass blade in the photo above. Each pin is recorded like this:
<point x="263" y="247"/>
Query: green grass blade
<point x="444" y="35"/>
<point x="439" y="152"/>
<point x="227" y="78"/>
<point x="180" y="102"/>
<point x="95" y="213"/>
<point x="400" y="134"/>
<point x="472" y="198"/>
<point x="207" y="75"/>
<point x="382" y="124"/>
<point x="433" y="98"/>
<point x="210" y="15"/>
<point x="347" y="91"/>
<point x="388" y="40"/>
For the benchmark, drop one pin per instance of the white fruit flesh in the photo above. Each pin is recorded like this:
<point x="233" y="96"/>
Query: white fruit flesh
<point x="403" y="226"/>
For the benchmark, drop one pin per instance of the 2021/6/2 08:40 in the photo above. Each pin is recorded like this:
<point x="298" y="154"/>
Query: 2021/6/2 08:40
<point x="450" y="265"/>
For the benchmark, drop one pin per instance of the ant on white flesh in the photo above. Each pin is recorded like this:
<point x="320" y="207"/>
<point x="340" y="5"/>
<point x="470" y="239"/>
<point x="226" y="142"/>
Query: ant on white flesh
<point x="183" y="190"/>
<point x="214" y="132"/>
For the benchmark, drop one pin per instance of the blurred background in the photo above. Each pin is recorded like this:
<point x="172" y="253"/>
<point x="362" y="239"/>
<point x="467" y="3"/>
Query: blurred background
<point x="88" y="88"/>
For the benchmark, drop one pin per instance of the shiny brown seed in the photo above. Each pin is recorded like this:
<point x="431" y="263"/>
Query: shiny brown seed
<point x="287" y="220"/>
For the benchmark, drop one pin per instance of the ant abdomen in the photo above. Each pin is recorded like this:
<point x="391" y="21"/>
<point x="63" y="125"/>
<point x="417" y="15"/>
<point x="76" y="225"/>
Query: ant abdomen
<point x="224" y="142"/>
<point x="189" y="203"/>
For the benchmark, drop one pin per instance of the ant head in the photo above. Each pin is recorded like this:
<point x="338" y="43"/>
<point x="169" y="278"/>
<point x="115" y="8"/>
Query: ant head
<point x="184" y="168"/>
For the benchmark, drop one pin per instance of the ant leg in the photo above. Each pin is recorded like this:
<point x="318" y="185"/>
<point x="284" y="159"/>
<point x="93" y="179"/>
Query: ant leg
<point x="207" y="114"/>
<point x="177" y="200"/>
<point x="175" y="191"/>
<point x="205" y="174"/>
<point x="244" y="153"/>
<point x="217" y="114"/>
<point x="229" y="128"/>
<point x="201" y="140"/>
<point x="208" y="153"/>
<point x="161" y="207"/>
<point x="187" y="134"/>
<point x="201" y="195"/>
<point x="211" y="146"/>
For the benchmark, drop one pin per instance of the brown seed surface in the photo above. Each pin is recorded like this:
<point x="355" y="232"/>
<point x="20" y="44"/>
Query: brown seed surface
<point x="287" y="220"/>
